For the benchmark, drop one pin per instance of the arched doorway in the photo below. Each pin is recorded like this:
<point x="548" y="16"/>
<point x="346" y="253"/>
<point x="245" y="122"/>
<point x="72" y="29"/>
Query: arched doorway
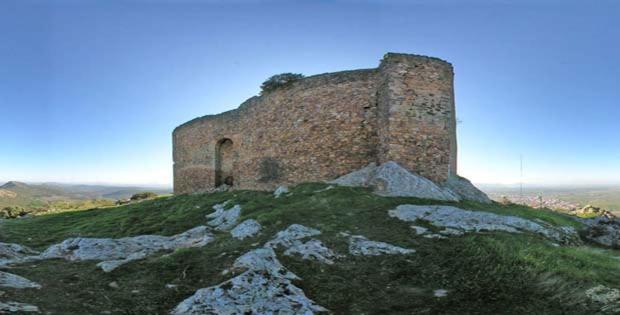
<point x="224" y="162"/>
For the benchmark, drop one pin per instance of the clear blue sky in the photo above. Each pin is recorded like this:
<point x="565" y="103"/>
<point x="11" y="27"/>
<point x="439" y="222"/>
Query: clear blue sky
<point x="90" y="91"/>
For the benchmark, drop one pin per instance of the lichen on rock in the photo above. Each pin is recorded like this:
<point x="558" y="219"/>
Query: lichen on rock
<point x="264" y="287"/>
<point x="224" y="219"/>
<point x="245" y="229"/>
<point x="457" y="219"/>
<point x="361" y="246"/>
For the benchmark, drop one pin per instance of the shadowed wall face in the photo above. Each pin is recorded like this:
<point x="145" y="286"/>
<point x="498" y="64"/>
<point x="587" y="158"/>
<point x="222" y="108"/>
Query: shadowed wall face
<point x="324" y="126"/>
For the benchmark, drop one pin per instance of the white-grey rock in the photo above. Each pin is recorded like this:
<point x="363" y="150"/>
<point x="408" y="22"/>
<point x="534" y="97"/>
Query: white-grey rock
<point x="9" y="280"/>
<point x="361" y="246"/>
<point x="15" y="307"/>
<point x="115" y="252"/>
<point x="390" y="179"/>
<point x="294" y="232"/>
<point x="433" y="236"/>
<point x="291" y="239"/>
<point x="440" y="293"/>
<point x="245" y="229"/>
<point x="419" y="230"/>
<point x="264" y="288"/>
<point x="465" y="190"/>
<point x="603" y="230"/>
<point x="608" y="299"/>
<point x="224" y="220"/>
<point x="280" y="191"/>
<point x="477" y="221"/>
<point x="312" y="250"/>
<point x="11" y="253"/>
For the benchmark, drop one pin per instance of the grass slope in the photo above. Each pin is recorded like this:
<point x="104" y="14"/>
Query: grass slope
<point x="484" y="273"/>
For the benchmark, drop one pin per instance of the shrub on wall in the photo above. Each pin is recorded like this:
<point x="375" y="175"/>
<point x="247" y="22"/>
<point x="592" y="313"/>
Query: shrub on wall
<point x="269" y="170"/>
<point x="279" y="80"/>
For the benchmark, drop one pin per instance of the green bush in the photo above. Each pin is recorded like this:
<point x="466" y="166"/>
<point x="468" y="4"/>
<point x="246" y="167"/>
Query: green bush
<point x="12" y="212"/>
<point x="279" y="80"/>
<point x="143" y="195"/>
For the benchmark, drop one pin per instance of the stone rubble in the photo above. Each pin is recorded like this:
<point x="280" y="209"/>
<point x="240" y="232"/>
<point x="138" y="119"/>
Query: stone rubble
<point x="361" y="246"/>
<point x="477" y="221"/>
<point x="9" y="280"/>
<point x="224" y="220"/>
<point x="245" y="229"/>
<point x="264" y="288"/>
<point x="280" y="191"/>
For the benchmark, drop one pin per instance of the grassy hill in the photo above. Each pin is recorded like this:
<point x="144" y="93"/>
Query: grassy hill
<point x="485" y="273"/>
<point x="50" y="195"/>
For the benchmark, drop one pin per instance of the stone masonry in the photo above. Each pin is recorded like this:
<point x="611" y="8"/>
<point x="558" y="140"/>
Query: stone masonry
<point x="324" y="126"/>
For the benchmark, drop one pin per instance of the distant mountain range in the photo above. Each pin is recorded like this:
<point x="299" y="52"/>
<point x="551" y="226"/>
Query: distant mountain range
<point x="16" y="193"/>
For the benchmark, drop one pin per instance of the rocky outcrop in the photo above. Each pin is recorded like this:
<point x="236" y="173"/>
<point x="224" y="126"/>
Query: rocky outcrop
<point x="479" y="221"/>
<point x="592" y="211"/>
<point x="9" y="280"/>
<point x="390" y="179"/>
<point x="18" y="308"/>
<point x="291" y="240"/>
<point x="465" y="190"/>
<point x="607" y="299"/>
<point x="602" y="230"/>
<point x="10" y="253"/>
<point x="224" y="219"/>
<point x="264" y="287"/>
<point x="280" y="191"/>
<point x="361" y="246"/>
<point x="115" y="252"/>
<point x="245" y="229"/>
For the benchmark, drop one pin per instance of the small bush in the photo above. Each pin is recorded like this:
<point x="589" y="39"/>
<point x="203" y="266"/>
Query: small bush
<point x="12" y="212"/>
<point x="269" y="170"/>
<point x="143" y="195"/>
<point x="279" y="80"/>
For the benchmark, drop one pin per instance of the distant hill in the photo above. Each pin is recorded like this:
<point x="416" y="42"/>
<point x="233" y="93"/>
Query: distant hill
<point x="14" y="193"/>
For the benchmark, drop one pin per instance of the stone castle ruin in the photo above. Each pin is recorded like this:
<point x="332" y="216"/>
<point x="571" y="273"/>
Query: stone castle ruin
<point x="324" y="126"/>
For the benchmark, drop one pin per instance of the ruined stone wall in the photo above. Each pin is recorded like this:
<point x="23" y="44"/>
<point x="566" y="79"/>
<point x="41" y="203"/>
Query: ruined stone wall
<point x="325" y="126"/>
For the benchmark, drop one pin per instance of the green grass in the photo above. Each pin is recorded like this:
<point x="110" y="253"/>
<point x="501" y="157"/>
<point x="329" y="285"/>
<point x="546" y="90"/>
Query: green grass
<point x="484" y="273"/>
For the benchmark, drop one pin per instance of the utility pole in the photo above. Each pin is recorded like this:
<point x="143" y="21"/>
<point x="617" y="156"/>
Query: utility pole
<point x="521" y="178"/>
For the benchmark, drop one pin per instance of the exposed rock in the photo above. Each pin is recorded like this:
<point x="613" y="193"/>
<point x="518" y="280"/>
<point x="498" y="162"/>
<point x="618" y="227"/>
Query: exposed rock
<point x="465" y="190"/>
<point x="390" y="179"/>
<point x="245" y="229"/>
<point x="606" y="298"/>
<point x="224" y="220"/>
<point x="440" y="293"/>
<point x="312" y="250"/>
<point x="603" y="231"/>
<point x="264" y="288"/>
<point x="113" y="285"/>
<point x="592" y="211"/>
<point x="294" y="232"/>
<point x="115" y="252"/>
<point x="280" y="191"/>
<point x="14" y="253"/>
<point x="359" y="245"/>
<point x="291" y="237"/>
<point x="477" y="221"/>
<point x="9" y="280"/>
<point x="419" y="230"/>
<point x="15" y="307"/>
